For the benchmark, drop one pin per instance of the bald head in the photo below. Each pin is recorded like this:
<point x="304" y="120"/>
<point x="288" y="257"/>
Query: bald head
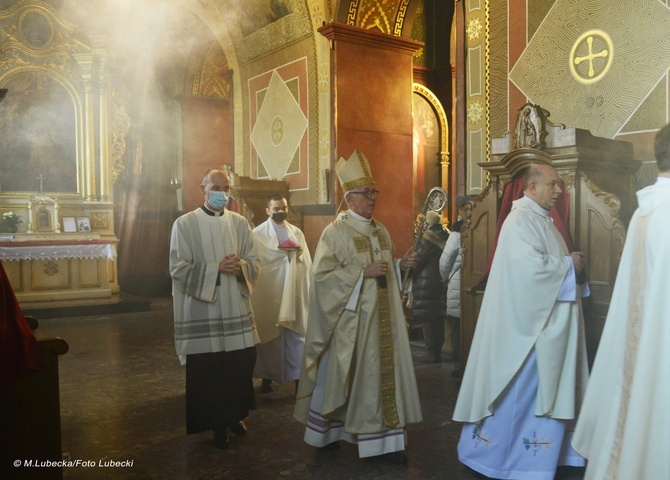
<point x="542" y="185"/>
<point x="218" y="181"/>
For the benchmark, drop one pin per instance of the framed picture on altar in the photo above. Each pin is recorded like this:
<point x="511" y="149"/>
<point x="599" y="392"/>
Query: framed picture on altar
<point x="69" y="224"/>
<point x="83" y="224"/>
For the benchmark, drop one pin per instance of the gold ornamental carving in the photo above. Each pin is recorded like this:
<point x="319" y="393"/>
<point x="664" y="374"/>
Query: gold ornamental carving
<point x="468" y="207"/>
<point x="612" y="201"/>
<point x="120" y="127"/>
<point x="50" y="268"/>
<point x="100" y="221"/>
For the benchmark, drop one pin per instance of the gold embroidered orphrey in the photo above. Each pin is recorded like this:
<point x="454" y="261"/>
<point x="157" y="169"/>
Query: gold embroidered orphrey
<point x="386" y="357"/>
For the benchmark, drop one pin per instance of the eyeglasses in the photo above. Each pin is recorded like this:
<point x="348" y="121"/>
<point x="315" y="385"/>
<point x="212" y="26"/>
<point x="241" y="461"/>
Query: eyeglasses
<point x="368" y="193"/>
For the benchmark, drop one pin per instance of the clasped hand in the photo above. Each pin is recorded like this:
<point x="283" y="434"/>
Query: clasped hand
<point x="231" y="265"/>
<point x="578" y="260"/>
<point x="377" y="268"/>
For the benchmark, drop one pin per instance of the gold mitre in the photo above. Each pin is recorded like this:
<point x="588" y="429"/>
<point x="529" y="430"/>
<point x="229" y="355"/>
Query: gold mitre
<point x="354" y="172"/>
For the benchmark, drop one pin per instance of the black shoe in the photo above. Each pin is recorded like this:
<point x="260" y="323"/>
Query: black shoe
<point x="238" y="429"/>
<point x="266" y="386"/>
<point x="393" y="458"/>
<point x="221" y="440"/>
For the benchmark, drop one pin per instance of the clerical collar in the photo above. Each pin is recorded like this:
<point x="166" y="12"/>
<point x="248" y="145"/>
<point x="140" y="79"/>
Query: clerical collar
<point x="536" y="206"/>
<point x="361" y="218"/>
<point x="212" y="213"/>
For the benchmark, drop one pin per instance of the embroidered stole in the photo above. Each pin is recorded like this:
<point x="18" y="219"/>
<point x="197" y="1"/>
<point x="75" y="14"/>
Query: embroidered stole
<point x="373" y="241"/>
<point x="638" y="288"/>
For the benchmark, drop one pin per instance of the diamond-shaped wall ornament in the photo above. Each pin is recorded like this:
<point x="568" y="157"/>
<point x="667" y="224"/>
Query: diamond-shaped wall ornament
<point x="593" y="62"/>
<point x="279" y="128"/>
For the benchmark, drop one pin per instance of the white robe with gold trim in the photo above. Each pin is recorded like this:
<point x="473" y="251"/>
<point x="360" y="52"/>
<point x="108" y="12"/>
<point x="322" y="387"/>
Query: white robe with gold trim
<point x="347" y="326"/>
<point x="624" y="426"/>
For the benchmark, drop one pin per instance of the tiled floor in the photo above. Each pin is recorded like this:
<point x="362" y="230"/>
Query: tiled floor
<point x="122" y="398"/>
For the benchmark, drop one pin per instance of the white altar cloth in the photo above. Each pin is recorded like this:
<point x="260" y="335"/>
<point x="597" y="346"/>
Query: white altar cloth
<point x="57" y="252"/>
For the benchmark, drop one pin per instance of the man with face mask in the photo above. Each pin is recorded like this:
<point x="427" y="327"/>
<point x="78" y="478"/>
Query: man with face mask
<point x="281" y="296"/>
<point x="214" y="265"/>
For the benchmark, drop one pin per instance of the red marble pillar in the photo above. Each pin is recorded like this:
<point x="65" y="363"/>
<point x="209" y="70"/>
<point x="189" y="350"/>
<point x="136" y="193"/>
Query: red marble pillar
<point x="207" y="142"/>
<point x="371" y="82"/>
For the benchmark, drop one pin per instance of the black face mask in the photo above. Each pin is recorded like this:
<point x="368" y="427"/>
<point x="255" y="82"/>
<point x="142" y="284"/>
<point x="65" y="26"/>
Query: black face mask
<point x="278" y="217"/>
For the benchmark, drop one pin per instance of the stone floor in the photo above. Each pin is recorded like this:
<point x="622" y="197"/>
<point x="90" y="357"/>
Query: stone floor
<point x="122" y="398"/>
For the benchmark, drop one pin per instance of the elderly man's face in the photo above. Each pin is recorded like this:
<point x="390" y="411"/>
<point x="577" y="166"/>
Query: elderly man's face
<point x="358" y="201"/>
<point x="547" y="189"/>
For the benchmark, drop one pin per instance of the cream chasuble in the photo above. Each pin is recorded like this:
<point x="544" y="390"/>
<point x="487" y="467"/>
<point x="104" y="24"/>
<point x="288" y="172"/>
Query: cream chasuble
<point x="370" y="384"/>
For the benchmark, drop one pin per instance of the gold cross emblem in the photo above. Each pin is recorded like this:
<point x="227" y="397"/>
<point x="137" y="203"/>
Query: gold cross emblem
<point x="591" y="56"/>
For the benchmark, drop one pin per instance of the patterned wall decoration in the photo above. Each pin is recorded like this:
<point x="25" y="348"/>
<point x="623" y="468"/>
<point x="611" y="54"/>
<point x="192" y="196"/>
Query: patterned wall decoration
<point x="386" y="16"/>
<point x="419" y="33"/>
<point x="498" y="70"/>
<point x="211" y="76"/>
<point x="284" y="31"/>
<point x="652" y="114"/>
<point x="593" y="63"/>
<point x="278" y="108"/>
<point x="477" y="92"/>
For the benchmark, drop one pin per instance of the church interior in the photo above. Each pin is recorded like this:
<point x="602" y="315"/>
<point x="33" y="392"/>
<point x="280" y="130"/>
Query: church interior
<point x="112" y="110"/>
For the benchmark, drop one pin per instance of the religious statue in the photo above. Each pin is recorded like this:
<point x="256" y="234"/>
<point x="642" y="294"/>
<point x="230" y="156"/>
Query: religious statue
<point x="531" y="126"/>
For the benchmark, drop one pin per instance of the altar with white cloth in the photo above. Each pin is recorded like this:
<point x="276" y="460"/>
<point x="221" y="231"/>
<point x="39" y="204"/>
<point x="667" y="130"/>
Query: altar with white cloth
<point x="44" y="268"/>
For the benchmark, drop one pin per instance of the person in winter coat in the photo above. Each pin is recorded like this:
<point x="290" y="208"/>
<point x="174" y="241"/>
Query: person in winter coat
<point x="428" y="305"/>
<point x="450" y="271"/>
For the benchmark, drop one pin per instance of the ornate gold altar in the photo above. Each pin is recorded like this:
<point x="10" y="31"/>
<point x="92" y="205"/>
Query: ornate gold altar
<point x="61" y="148"/>
<point x="598" y="175"/>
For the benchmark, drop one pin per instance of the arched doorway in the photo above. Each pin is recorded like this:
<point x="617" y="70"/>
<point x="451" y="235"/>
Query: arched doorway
<point x="430" y="150"/>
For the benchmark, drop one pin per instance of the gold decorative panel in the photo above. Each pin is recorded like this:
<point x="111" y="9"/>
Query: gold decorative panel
<point x="593" y="63"/>
<point x="50" y="274"/>
<point x="386" y="16"/>
<point x="477" y="91"/>
<point x="100" y="221"/>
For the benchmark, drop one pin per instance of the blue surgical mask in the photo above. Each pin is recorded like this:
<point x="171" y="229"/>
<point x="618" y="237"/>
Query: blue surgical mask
<point x="217" y="200"/>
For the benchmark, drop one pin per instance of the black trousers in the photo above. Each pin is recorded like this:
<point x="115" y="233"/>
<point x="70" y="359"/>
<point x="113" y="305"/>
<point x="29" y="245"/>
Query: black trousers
<point x="219" y="389"/>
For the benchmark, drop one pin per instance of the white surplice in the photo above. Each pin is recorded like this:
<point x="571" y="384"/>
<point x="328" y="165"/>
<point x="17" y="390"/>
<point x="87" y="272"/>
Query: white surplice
<point x="280" y="301"/>
<point x="624" y="425"/>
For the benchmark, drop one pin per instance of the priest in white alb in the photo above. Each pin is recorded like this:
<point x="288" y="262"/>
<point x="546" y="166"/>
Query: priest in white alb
<point x="624" y="426"/>
<point x="281" y="296"/>
<point x="527" y="368"/>
<point x="213" y="264"/>
<point x="358" y="382"/>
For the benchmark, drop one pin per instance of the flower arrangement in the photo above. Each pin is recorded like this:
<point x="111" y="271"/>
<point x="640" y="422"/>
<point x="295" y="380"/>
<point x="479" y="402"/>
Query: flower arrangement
<point x="10" y="221"/>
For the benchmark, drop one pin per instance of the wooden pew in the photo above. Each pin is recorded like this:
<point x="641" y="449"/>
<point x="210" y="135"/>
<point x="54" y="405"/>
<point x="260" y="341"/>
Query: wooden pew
<point x="30" y="428"/>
